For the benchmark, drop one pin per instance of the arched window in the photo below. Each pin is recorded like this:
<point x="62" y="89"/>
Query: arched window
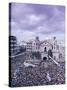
<point x="45" y="49"/>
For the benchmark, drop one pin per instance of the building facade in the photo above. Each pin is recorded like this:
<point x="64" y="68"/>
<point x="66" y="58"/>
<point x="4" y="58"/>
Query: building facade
<point x="13" y="48"/>
<point x="29" y="46"/>
<point x="33" y="45"/>
<point x="47" y="47"/>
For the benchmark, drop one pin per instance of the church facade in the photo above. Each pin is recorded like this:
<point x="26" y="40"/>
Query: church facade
<point x="47" y="48"/>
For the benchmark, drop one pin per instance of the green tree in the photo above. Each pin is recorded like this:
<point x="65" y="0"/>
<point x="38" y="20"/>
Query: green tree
<point x="36" y="54"/>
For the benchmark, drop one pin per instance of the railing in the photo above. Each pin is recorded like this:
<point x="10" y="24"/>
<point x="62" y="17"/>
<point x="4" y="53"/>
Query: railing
<point x="16" y="55"/>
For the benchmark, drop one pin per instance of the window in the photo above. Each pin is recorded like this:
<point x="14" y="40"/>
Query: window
<point x="45" y="49"/>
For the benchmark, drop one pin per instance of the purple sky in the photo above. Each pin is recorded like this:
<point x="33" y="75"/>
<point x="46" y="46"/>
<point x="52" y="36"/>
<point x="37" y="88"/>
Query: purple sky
<point x="30" y="20"/>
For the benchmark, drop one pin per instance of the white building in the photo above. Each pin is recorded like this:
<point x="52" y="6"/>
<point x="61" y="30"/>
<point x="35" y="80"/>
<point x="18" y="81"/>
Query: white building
<point x="36" y="45"/>
<point x="43" y="47"/>
<point x="29" y="46"/>
<point x="33" y="45"/>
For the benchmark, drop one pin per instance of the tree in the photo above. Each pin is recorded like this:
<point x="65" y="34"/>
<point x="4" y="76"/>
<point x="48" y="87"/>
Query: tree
<point x="36" y="54"/>
<point x="50" y="53"/>
<point x="22" y="49"/>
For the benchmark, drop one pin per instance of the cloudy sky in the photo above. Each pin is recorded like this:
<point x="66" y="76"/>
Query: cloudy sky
<point x="30" y="20"/>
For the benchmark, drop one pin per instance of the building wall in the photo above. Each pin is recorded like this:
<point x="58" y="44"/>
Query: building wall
<point x="45" y="45"/>
<point x="44" y="55"/>
<point x="55" y="55"/>
<point x="29" y="46"/>
<point x="13" y="48"/>
<point x="37" y="45"/>
<point x="33" y="45"/>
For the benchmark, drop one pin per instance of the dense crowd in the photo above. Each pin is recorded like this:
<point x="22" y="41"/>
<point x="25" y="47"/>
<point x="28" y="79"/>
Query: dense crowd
<point x="34" y="76"/>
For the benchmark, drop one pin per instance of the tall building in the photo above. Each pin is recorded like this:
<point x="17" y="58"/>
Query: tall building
<point x="33" y="45"/>
<point x="13" y="48"/>
<point x="36" y="44"/>
<point x="29" y="46"/>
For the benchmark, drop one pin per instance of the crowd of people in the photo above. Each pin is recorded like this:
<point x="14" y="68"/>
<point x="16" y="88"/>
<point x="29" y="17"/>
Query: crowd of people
<point x="34" y="76"/>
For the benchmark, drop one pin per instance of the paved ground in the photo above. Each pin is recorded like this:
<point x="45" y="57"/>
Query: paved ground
<point x="46" y="73"/>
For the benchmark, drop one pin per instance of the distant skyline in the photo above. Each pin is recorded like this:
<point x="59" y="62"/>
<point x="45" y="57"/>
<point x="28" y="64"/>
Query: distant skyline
<point x="30" y="20"/>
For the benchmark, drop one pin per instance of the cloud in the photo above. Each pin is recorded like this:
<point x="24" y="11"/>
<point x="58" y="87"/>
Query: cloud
<point x="37" y="19"/>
